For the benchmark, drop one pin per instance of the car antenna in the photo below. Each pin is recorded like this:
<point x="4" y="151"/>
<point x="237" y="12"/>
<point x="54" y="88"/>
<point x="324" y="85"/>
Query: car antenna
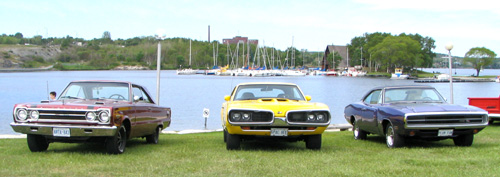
<point x="48" y="93"/>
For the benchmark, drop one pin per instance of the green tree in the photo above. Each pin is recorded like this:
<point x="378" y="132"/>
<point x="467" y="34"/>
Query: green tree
<point x="397" y="51"/>
<point x="479" y="57"/>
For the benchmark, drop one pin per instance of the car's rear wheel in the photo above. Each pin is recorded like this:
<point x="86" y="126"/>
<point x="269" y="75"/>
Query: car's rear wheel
<point x="153" y="138"/>
<point x="464" y="140"/>
<point x="392" y="139"/>
<point x="232" y="141"/>
<point x="116" y="144"/>
<point x="37" y="143"/>
<point x="313" y="142"/>
<point x="357" y="132"/>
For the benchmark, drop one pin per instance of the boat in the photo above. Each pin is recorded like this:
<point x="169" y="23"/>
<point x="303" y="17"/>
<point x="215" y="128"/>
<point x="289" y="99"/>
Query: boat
<point x="497" y="79"/>
<point x="331" y="72"/>
<point x="187" y="71"/>
<point x="398" y="74"/>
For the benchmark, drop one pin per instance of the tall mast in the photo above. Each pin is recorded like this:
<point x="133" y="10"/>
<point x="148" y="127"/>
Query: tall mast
<point x="190" y="53"/>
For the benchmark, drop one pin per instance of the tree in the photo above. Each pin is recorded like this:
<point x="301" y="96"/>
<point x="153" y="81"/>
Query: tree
<point x="479" y="57"/>
<point x="397" y="51"/>
<point x="106" y="37"/>
<point x="18" y="35"/>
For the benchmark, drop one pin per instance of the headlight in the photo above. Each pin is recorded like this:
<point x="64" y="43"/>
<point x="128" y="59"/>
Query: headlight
<point x="90" y="116"/>
<point x="34" y="115"/>
<point x="236" y="116"/>
<point x="321" y="117"/>
<point x="311" y="117"/>
<point x="22" y="114"/>
<point x="104" y="116"/>
<point x="246" y="116"/>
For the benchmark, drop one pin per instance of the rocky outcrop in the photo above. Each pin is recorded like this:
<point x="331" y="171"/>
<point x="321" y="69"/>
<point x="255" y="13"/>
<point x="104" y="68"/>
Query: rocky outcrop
<point x="14" y="56"/>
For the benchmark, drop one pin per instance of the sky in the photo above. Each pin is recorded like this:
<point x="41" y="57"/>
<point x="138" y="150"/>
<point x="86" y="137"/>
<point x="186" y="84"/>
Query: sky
<point x="305" y="24"/>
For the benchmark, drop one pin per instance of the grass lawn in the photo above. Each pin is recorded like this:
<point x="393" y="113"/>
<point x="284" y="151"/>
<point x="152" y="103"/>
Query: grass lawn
<point x="205" y="155"/>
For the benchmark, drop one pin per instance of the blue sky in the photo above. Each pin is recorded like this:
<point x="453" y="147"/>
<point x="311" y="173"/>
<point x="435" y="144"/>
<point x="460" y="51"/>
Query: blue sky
<point x="312" y="24"/>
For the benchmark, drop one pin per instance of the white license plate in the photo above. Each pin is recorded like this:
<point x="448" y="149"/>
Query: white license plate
<point x="279" y="131"/>
<point x="445" y="132"/>
<point x="64" y="132"/>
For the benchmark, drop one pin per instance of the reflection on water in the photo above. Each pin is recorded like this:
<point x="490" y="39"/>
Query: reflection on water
<point x="187" y="95"/>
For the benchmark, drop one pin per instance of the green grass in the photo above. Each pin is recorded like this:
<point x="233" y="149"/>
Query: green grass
<point x="205" y="155"/>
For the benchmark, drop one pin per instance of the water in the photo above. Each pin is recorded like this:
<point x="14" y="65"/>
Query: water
<point x="188" y="95"/>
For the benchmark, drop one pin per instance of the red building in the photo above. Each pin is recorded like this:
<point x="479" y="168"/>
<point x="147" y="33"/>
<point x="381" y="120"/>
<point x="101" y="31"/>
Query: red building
<point x="237" y="39"/>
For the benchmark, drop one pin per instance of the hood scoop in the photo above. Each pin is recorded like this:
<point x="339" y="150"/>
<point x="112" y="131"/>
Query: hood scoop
<point x="45" y="101"/>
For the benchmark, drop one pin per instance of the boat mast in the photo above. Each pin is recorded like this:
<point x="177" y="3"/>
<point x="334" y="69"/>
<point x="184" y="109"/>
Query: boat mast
<point x="190" y="53"/>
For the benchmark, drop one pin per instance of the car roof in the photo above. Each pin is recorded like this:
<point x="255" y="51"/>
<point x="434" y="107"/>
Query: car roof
<point x="112" y="81"/>
<point x="402" y="86"/>
<point x="267" y="83"/>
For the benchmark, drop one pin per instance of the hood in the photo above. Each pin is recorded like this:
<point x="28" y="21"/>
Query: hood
<point x="434" y="107"/>
<point x="75" y="104"/>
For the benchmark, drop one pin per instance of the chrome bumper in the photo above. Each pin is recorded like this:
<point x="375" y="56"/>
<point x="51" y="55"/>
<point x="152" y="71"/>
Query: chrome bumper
<point x="75" y="130"/>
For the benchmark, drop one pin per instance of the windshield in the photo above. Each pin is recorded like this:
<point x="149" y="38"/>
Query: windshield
<point x="254" y="92"/>
<point x="412" y="95"/>
<point x="96" y="90"/>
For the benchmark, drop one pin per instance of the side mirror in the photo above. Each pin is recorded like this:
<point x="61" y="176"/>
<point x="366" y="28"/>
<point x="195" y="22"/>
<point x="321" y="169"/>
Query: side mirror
<point x="308" y="98"/>
<point x="137" y="98"/>
<point x="227" y="97"/>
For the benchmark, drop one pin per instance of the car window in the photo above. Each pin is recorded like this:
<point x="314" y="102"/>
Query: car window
<point x="140" y="95"/>
<point x="253" y="92"/>
<point x="96" y="90"/>
<point x="412" y="95"/>
<point x="373" y="97"/>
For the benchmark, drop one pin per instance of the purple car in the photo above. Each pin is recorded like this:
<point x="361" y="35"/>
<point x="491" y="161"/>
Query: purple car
<point x="409" y="112"/>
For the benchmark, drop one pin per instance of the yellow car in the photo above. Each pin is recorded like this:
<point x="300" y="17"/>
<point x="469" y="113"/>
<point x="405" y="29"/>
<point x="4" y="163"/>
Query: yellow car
<point x="275" y="110"/>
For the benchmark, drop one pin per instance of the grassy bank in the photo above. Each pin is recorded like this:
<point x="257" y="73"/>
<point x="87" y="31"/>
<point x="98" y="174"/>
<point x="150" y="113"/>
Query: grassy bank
<point x="205" y="155"/>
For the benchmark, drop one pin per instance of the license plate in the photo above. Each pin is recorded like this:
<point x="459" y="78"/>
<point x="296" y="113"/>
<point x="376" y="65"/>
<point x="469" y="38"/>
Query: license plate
<point x="445" y="132"/>
<point x="279" y="131"/>
<point x="64" y="132"/>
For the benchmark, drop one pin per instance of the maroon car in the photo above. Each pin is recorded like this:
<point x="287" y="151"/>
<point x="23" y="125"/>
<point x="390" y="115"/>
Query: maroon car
<point x="104" y="111"/>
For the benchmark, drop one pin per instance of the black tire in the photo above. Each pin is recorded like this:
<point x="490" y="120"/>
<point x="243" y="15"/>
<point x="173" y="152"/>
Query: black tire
<point x="37" y="143"/>
<point x="313" y="142"/>
<point x="153" y="138"/>
<point x="357" y="132"/>
<point x="464" y="140"/>
<point x="490" y="122"/>
<point x="225" y="136"/>
<point x="392" y="139"/>
<point x="117" y="143"/>
<point x="232" y="141"/>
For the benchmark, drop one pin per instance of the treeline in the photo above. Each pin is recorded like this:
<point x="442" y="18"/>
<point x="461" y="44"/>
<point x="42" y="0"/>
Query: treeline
<point x="105" y="53"/>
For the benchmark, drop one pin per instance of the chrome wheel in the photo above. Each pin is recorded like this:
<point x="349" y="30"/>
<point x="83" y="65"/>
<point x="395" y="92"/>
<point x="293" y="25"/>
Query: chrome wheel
<point x="392" y="139"/>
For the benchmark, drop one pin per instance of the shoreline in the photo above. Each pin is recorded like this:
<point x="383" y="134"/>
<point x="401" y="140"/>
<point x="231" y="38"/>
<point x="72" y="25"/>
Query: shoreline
<point x="330" y="128"/>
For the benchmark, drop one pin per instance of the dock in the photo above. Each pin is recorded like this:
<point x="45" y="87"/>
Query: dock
<point x="459" y="79"/>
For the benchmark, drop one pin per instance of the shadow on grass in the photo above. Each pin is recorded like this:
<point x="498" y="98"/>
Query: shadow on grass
<point x="96" y="147"/>
<point x="414" y="143"/>
<point x="271" y="145"/>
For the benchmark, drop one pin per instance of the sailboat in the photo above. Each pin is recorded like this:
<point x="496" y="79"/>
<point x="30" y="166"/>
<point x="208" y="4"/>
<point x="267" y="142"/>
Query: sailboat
<point x="189" y="70"/>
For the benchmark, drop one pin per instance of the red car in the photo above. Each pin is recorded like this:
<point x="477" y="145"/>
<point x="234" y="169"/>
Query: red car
<point x="104" y="111"/>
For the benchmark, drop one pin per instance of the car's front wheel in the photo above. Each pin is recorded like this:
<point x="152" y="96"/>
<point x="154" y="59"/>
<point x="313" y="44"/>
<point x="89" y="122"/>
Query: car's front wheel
<point x="392" y="139"/>
<point x="313" y="142"/>
<point x="225" y="135"/>
<point x="358" y="133"/>
<point x="232" y="141"/>
<point x="37" y="143"/>
<point x="116" y="144"/>
<point x="464" y="140"/>
<point x="153" y="138"/>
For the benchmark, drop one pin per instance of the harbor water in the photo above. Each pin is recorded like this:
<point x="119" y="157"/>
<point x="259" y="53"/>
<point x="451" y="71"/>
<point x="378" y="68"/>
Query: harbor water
<point x="188" y="95"/>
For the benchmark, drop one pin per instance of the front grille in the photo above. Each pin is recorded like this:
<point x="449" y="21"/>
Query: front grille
<point x="62" y="114"/>
<point x="462" y="119"/>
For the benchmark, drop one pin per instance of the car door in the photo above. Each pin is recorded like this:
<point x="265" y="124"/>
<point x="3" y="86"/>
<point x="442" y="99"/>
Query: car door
<point x="147" y="114"/>
<point x="368" y="112"/>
